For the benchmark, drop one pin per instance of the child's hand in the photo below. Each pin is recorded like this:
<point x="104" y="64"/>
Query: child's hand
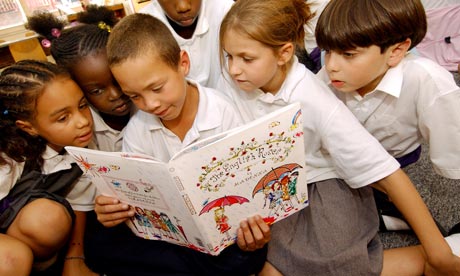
<point x="450" y="266"/>
<point x="253" y="234"/>
<point x="110" y="211"/>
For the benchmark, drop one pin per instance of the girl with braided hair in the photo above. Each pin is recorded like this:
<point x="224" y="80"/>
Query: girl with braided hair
<point x="42" y="111"/>
<point x="81" y="49"/>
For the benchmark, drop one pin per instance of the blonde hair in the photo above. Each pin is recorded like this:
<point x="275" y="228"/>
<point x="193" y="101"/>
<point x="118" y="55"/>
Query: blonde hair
<point x="270" y="22"/>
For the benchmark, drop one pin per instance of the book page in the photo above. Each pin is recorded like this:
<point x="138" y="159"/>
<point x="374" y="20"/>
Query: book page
<point x="254" y="169"/>
<point x="162" y="213"/>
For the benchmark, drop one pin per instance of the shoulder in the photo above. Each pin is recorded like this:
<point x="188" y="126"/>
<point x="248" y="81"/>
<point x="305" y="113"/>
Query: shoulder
<point x="425" y="74"/>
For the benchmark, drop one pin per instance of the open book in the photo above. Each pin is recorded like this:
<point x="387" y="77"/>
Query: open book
<point x="200" y="196"/>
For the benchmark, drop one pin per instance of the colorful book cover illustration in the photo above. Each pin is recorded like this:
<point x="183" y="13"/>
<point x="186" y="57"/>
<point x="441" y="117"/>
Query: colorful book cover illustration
<point x="200" y="196"/>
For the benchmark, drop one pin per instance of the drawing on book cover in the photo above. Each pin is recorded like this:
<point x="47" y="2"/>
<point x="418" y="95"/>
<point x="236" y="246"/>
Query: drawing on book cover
<point x="199" y="197"/>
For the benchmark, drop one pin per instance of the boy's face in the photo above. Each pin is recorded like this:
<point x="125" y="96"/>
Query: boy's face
<point x="153" y="86"/>
<point x="360" y="69"/>
<point x="251" y="64"/>
<point x="63" y="120"/>
<point x="182" y="12"/>
<point x="93" y="75"/>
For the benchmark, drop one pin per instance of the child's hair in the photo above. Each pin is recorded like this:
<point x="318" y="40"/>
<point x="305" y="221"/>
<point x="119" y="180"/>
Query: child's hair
<point x="347" y="24"/>
<point x="21" y="84"/>
<point x="139" y="34"/>
<point x="271" y="22"/>
<point x="68" y="46"/>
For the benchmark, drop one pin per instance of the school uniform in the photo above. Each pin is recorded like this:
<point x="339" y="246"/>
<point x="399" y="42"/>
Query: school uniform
<point x="337" y="233"/>
<point x="58" y="179"/>
<point x="128" y="254"/>
<point x="415" y="101"/>
<point x="105" y="138"/>
<point x="203" y="46"/>
<point x="146" y="133"/>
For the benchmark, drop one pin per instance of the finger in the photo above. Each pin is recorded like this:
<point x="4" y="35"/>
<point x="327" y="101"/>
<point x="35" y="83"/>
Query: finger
<point x="111" y="208"/>
<point x="114" y="216"/>
<point x="240" y="239"/>
<point x="104" y="200"/>
<point x="248" y="235"/>
<point x="113" y="223"/>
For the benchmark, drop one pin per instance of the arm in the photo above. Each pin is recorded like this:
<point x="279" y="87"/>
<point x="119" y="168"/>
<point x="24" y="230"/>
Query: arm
<point x="111" y="212"/>
<point x="74" y="262"/>
<point x="439" y="257"/>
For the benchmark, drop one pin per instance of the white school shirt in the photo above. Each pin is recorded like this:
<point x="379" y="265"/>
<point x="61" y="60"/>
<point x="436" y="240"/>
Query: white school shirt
<point x="105" y="138"/>
<point x="146" y="134"/>
<point x="336" y="144"/>
<point x="416" y="100"/>
<point x="203" y="46"/>
<point x="81" y="197"/>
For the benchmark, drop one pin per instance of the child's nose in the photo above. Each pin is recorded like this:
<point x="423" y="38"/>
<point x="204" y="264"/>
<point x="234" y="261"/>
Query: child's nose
<point x="183" y="6"/>
<point x="330" y="61"/>
<point x="233" y="68"/>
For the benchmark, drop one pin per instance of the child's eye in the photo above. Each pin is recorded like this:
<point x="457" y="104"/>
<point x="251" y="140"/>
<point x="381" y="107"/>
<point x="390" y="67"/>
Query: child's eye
<point x="247" y="59"/>
<point x="133" y="97"/>
<point x="97" y="91"/>
<point x="83" y="105"/>
<point x="62" y="118"/>
<point x="348" y="54"/>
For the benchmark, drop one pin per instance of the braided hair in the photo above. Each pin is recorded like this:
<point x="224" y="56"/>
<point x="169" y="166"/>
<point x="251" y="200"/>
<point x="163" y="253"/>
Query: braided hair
<point x="74" y="43"/>
<point x="21" y="84"/>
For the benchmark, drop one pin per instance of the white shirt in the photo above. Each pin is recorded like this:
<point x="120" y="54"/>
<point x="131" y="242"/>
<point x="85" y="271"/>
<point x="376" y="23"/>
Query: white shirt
<point x="416" y="100"/>
<point x="203" y="46"/>
<point x="336" y="144"/>
<point x="146" y="134"/>
<point x="81" y="197"/>
<point x="105" y="138"/>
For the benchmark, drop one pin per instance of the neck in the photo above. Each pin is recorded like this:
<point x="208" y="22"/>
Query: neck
<point x="115" y="122"/>
<point x="184" y="32"/>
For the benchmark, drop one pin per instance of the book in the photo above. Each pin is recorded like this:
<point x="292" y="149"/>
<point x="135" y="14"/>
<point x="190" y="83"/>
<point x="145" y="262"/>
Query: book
<point x="199" y="197"/>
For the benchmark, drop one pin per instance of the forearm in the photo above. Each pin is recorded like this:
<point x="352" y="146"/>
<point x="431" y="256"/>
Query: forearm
<point x="75" y="244"/>
<point x="403" y="194"/>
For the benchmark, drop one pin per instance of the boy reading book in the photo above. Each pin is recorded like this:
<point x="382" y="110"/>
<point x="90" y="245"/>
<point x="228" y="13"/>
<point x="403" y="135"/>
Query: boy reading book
<point x="173" y="112"/>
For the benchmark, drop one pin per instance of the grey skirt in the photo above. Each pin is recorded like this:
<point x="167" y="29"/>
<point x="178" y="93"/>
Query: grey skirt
<point x="335" y="235"/>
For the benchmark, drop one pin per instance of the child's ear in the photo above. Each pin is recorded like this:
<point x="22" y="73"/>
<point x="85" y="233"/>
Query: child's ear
<point x="398" y="51"/>
<point x="285" y="53"/>
<point x="184" y="62"/>
<point x="27" y="127"/>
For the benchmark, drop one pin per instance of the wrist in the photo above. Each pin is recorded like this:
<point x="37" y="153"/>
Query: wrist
<point x="74" y="258"/>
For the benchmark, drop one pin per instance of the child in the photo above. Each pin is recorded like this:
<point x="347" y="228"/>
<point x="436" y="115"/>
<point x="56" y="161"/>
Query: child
<point x="81" y="49"/>
<point x="337" y="233"/>
<point x="42" y="110"/>
<point x="400" y="98"/>
<point x="173" y="113"/>
<point x="195" y="26"/>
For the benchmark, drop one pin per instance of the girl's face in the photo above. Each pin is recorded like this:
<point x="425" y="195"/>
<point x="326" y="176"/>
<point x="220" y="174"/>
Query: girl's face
<point x="62" y="115"/>
<point x="251" y="64"/>
<point x="360" y="69"/>
<point x="182" y="12"/>
<point x="93" y="75"/>
<point x="153" y="86"/>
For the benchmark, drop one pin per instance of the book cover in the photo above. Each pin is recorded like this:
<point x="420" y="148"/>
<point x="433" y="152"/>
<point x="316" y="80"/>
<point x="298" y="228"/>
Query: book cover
<point x="200" y="196"/>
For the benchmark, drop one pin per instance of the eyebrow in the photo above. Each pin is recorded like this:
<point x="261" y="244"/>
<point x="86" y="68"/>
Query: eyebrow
<point x="63" y="109"/>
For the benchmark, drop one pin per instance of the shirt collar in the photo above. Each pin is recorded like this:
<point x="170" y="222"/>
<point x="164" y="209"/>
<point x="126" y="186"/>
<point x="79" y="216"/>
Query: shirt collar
<point x="391" y="82"/>
<point x="293" y="77"/>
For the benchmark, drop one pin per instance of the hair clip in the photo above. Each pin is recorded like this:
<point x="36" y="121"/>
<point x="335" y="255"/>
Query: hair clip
<point x="104" y="26"/>
<point x="55" y="32"/>
<point x="46" y="43"/>
<point x="5" y="112"/>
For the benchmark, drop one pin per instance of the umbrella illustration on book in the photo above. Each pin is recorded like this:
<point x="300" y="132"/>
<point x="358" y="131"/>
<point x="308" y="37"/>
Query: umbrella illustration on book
<point x="218" y="205"/>
<point x="222" y="202"/>
<point x="273" y="176"/>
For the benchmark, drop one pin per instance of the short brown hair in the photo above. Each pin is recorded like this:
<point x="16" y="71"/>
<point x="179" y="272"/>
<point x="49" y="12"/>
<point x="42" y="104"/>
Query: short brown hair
<point x="347" y="24"/>
<point x="139" y="34"/>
